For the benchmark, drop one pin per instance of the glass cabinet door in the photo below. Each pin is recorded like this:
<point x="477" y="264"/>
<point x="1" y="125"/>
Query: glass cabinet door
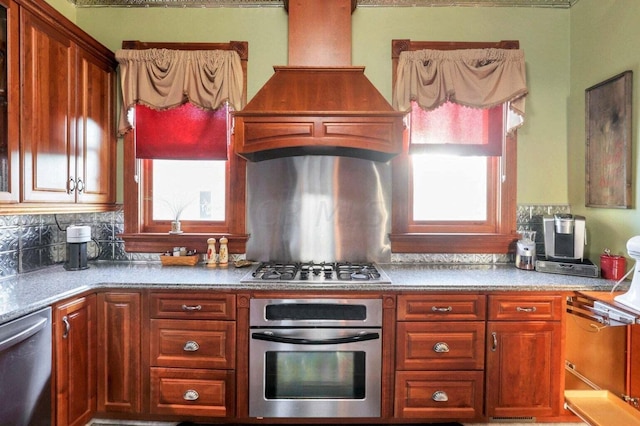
<point x="9" y="146"/>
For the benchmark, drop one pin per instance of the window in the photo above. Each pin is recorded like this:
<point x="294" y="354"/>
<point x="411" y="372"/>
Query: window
<point x="454" y="188"/>
<point x="207" y="194"/>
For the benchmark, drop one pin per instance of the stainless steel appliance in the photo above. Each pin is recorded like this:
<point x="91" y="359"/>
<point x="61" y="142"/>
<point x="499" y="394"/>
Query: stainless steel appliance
<point x="564" y="236"/>
<point x="25" y="370"/>
<point x="315" y="358"/>
<point x="317" y="273"/>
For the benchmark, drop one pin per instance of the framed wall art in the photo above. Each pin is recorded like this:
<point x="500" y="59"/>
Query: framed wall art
<point x="608" y="143"/>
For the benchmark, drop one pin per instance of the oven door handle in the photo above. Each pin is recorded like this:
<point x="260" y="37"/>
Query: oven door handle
<point x="269" y="337"/>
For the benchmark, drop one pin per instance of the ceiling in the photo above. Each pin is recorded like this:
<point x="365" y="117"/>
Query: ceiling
<point x="560" y="4"/>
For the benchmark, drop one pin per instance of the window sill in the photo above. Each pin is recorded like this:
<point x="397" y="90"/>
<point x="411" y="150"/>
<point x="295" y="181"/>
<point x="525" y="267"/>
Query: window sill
<point x="453" y="243"/>
<point x="162" y="242"/>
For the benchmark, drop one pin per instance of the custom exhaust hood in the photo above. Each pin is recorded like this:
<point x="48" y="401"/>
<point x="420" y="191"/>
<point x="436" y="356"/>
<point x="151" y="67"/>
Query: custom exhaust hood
<point x="318" y="104"/>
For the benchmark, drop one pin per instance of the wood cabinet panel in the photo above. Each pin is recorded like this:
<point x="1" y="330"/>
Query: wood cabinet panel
<point x="193" y="343"/>
<point x="10" y="107"/>
<point x="439" y="395"/>
<point x="633" y="369"/>
<point x="119" y="366"/>
<point x="524" y="368"/>
<point x="440" y="345"/>
<point x="189" y="392"/>
<point x="75" y="361"/>
<point x="95" y="134"/>
<point x="526" y="308"/>
<point x="445" y="307"/>
<point x="193" y="306"/>
<point x="47" y="139"/>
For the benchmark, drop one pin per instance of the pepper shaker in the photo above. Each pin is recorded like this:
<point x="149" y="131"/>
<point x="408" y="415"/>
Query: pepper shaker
<point x="211" y="252"/>
<point x="224" y="252"/>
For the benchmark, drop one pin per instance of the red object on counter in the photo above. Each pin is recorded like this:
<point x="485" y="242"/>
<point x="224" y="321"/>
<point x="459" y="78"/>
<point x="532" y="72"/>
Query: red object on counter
<point x="612" y="267"/>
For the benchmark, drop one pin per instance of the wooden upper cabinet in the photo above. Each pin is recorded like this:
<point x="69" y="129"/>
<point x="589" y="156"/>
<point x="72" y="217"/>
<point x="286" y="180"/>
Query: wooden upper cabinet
<point x="48" y="144"/>
<point x="95" y="136"/>
<point x="9" y="104"/>
<point x="67" y="119"/>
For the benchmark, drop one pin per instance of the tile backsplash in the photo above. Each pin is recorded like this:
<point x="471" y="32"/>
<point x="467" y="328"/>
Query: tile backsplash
<point x="31" y="242"/>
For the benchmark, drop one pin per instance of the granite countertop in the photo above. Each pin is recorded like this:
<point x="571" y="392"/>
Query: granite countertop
<point x="31" y="291"/>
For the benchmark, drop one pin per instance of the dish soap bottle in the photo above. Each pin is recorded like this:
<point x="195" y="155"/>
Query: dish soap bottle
<point x="224" y="252"/>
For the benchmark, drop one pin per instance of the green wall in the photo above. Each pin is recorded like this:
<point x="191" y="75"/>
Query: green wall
<point x="604" y="36"/>
<point x="543" y="34"/>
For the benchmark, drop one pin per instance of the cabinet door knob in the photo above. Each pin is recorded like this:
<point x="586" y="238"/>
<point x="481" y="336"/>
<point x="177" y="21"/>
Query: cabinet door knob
<point x="441" y="309"/>
<point x="441" y="347"/>
<point x="80" y="185"/>
<point x="191" y="395"/>
<point x="71" y="185"/>
<point x="440" y="396"/>
<point x="521" y="309"/>
<point x="191" y="346"/>
<point x="494" y="341"/>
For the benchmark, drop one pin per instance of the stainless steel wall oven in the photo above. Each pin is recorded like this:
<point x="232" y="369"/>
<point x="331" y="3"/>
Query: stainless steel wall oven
<point x="315" y="357"/>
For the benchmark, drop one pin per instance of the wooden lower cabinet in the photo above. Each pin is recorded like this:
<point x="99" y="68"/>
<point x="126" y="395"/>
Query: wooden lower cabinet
<point x="119" y="344"/>
<point x="440" y="357"/>
<point x="192" y="357"/>
<point x="75" y="360"/>
<point x="177" y="356"/>
<point x="439" y="394"/>
<point x="524" y="372"/>
<point x="192" y="392"/>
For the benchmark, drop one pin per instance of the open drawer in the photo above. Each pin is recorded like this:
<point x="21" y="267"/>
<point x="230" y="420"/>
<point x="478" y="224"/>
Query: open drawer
<point x="601" y="408"/>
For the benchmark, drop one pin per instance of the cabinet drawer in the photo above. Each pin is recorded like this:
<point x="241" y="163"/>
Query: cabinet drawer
<point x="534" y="307"/>
<point x="441" y="307"/>
<point x="440" y="345"/>
<point x="193" y="393"/>
<point x="193" y="343"/>
<point x="192" y="305"/>
<point x="439" y="395"/>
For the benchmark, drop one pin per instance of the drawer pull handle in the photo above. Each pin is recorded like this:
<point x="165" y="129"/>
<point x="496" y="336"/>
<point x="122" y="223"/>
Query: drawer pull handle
<point x="521" y="309"/>
<point x="441" y="347"/>
<point x="440" y="396"/>
<point x="191" y="346"/>
<point x="441" y="309"/>
<point x="191" y="308"/>
<point x="191" y="395"/>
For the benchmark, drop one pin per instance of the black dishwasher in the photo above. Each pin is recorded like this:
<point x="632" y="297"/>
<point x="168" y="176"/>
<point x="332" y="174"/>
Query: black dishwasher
<point x="25" y="370"/>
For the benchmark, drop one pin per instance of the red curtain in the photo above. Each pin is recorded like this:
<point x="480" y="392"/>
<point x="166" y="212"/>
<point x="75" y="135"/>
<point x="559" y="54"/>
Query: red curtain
<point x="182" y="133"/>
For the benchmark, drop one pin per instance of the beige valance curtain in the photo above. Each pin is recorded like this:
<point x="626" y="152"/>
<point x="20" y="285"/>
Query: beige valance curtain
<point x="164" y="78"/>
<point x="479" y="78"/>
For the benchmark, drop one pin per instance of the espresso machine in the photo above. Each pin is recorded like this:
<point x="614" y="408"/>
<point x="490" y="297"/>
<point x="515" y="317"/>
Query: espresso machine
<point x="565" y="237"/>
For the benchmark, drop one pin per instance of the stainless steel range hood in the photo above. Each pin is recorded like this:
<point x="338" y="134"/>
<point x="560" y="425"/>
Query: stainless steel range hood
<point x="319" y="104"/>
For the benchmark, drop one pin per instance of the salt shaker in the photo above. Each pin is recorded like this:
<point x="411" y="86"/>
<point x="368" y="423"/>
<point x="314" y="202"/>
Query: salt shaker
<point x="211" y="252"/>
<point x="224" y="252"/>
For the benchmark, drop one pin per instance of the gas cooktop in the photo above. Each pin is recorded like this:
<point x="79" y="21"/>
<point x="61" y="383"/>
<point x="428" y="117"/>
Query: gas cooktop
<point x="322" y="272"/>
